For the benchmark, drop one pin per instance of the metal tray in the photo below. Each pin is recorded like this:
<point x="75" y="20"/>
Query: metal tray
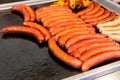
<point x="22" y="58"/>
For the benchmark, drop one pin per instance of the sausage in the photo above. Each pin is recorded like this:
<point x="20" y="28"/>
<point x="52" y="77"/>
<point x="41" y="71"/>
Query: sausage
<point x="60" y="54"/>
<point x="109" y="18"/>
<point x="59" y="19"/>
<point x="79" y="51"/>
<point x="60" y="28"/>
<point x="114" y="22"/>
<point x="94" y="51"/>
<point x="99" y="18"/>
<point x="106" y="14"/>
<point x="101" y="11"/>
<point x="82" y="37"/>
<point x="91" y="6"/>
<point x="64" y="21"/>
<point x="73" y="47"/>
<point x="24" y="30"/>
<point x="67" y="24"/>
<point x="53" y="15"/>
<point x="44" y="31"/>
<point x="31" y="12"/>
<point x="41" y="14"/>
<point x="51" y="8"/>
<point x="95" y="9"/>
<point x="100" y="58"/>
<point x="71" y="30"/>
<point x="64" y="38"/>
<point x="21" y="9"/>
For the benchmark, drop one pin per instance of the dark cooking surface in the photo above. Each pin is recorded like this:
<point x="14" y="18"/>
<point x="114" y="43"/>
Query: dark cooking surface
<point x="22" y="58"/>
<point x="8" y="1"/>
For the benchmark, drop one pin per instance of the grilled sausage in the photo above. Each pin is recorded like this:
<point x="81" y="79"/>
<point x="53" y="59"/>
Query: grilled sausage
<point x="94" y="10"/>
<point x="44" y="31"/>
<point x="53" y="15"/>
<point x="54" y="31"/>
<point x="91" y="6"/>
<point x="64" y="21"/>
<point x="99" y="18"/>
<point x="31" y="12"/>
<point x="73" y="47"/>
<point x="109" y="18"/>
<point x="82" y="37"/>
<point x="79" y="51"/>
<point x="97" y="50"/>
<point x="101" y="11"/>
<point x="71" y="30"/>
<point x="21" y="9"/>
<point x="69" y="60"/>
<point x="100" y="58"/>
<point x="64" y="38"/>
<point x="24" y="30"/>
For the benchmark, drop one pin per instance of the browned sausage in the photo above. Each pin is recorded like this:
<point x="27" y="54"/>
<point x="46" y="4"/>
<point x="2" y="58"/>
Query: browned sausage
<point x="40" y="16"/>
<point x="79" y="51"/>
<point x="54" y="31"/>
<point x="97" y="50"/>
<point x="21" y="8"/>
<point x="45" y="32"/>
<point x="59" y="20"/>
<point x="95" y="9"/>
<point x="53" y="15"/>
<point x="82" y="37"/>
<point x="64" y="38"/>
<point x="51" y="8"/>
<point x="101" y="17"/>
<point x="73" y="47"/>
<point x="24" y="30"/>
<point x="91" y="6"/>
<point x="60" y="54"/>
<point x="31" y="12"/>
<point x="100" y="12"/>
<point x="109" y="18"/>
<point x="64" y="21"/>
<point x="100" y="58"/>
<point x="71" y="30"/>
<point x="41" y="13"/>
<point x="68" y="23"/>
<point x="60" y="28"/>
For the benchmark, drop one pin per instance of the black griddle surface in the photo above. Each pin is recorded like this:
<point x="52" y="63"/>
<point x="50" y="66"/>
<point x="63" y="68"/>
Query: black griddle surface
<point x="22" y="58"/>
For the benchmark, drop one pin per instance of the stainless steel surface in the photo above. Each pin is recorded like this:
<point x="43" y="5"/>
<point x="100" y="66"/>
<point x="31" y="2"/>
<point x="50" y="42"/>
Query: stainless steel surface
<point x="112" y="76"/>
<point x="96" y="72"/>
<point x="110" y="5"/>
<point x="28" y="2"/>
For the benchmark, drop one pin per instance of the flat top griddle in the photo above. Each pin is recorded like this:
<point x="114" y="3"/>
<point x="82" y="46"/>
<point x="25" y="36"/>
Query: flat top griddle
<point x="23" y="58"/>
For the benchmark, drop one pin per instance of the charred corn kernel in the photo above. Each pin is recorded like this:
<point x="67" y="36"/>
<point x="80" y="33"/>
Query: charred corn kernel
<point x="86" y="3"/>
